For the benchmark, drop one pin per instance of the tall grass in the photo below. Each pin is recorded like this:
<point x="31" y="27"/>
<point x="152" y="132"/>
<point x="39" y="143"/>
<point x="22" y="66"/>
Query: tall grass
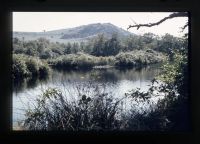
<point x="90" y="109"/>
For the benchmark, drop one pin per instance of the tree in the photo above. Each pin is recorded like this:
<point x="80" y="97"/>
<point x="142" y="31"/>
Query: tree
<point x="18" y="46"/>
<point x="148" y="37"/>
<point x="46" y="54"/>
<point x="31" y="48"/>
<point x="42" y="44"/>
<point x="75" y="47"/>
<point x="174" y="107"/>
<point x="67" y="49"/>
<point x="112" y="46"/>
<point x="82" y="46"/>
<point x="169" y="42"/>
<point x="173" y="15"/>
<point x="98" y="46"/>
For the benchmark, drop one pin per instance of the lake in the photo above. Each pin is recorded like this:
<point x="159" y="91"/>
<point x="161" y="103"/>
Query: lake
<point x="117" y="82"/>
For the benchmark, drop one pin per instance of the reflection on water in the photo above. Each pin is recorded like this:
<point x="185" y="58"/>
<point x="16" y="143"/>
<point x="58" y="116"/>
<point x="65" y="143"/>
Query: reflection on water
<point x="29" y="83"/>
<point x="115" y="81"/>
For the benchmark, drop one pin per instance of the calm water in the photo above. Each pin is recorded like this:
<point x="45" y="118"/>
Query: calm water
<point x="114" y="81"/>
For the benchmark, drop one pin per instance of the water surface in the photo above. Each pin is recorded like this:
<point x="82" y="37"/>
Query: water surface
<point x="114" y="81"/>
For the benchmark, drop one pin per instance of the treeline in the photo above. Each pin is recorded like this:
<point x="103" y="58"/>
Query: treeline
<point x="98" y="46"/>
<point x="133" y="51"/>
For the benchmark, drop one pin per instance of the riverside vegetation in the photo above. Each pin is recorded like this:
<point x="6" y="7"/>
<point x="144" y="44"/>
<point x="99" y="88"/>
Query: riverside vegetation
<point x="129" y="52"/>
<point x="102" y="111"/>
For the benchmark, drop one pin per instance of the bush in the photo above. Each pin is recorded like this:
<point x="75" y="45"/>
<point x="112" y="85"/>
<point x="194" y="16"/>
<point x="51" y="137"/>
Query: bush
<point x="47" y="54"/>
<point x="138" y="58"/>
<point x="80" y="61"/>
<point x="32" y="66"/>
<point x="24" y="66"/>
<point x="19" y="68"/>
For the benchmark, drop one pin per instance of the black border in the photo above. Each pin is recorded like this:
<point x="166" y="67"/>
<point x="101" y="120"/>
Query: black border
<point x="9" y="136"/>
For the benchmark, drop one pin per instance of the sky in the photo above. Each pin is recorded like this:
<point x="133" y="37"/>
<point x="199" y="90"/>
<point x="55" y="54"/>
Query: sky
<point x="40" y="21"/>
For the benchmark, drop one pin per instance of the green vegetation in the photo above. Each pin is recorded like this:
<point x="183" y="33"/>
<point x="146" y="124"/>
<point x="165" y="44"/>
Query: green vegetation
<point x="24" y="66"/>
<point x="55" y="112"/>
<point x="98" y="46"/>
<point x="101" y="111"/>
<point x="133" y="51"/>
<point x="171" y="112"/>
<point x="80" y="61"/>
<point x="138" y="58"/>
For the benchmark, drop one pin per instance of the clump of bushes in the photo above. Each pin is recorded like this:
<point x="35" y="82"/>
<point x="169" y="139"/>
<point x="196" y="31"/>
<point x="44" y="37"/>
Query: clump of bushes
<point x="138" y="58"/>
<point x="26" y="66"/>
<point x="80" y="61"/>
<point x="127" y="59"/>
<point x="72" y="61"/>
<point x="19" y="68"/>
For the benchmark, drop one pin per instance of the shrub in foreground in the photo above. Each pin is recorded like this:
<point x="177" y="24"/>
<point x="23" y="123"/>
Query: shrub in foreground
<point x="55" y="112"/>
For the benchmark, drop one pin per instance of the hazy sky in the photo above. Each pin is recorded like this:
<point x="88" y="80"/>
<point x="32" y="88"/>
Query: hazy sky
<point x="39" y="21"/>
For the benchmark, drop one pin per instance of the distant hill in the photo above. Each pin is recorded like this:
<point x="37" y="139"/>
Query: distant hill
<point x="76" y="34"/>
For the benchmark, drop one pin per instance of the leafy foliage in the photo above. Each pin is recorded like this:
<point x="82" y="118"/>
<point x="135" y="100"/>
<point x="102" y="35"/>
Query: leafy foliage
<point x="24" y="66"/>
<point x="80" y="61"/>
<point x="138" y="58"/>
<point x="102" y="111"/>
<point x="171" y="112"/>
<point x="99" y="45"/>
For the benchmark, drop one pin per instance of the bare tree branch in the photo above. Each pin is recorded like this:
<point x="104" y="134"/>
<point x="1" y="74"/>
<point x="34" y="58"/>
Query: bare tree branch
<point x="183" y="28"/>
<point x="173" y="15"/>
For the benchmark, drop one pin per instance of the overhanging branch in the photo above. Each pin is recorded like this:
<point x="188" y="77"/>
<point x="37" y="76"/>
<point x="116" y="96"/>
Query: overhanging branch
<point x="173" y="15"/>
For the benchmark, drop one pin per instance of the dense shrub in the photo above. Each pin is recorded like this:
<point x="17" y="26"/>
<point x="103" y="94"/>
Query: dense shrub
<point x="129" y="59"/>
<point x="24" y="66"/>
<point x="138" y="58"/>
<point x="80" y="60"/>
<point x="32" y="66"/>
<point x="19" y="68"/>
<point x="47" y="54"/>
